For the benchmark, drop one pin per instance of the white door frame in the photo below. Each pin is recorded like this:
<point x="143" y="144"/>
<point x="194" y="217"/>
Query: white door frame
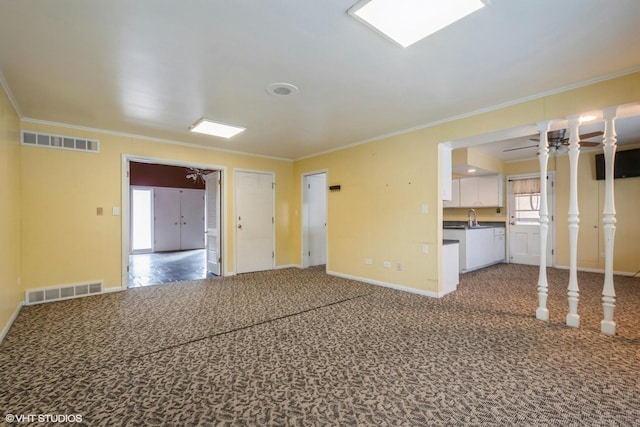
<point x="218" y="223"/>
<point x="235" y="216"/>
<point x="551" y="237"/>
<point x="126" y="208"/>
<point x="303" y="219"/>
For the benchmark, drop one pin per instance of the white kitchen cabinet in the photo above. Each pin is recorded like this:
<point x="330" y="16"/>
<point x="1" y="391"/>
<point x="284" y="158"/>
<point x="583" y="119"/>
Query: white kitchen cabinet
<point x="477" y="247"/>
<point x="455" y="195"/>
<point x="445" y="170"/>
<point x="498" y="244"/>
<point x="481" y="191"/>
<point x="450" y="267"/>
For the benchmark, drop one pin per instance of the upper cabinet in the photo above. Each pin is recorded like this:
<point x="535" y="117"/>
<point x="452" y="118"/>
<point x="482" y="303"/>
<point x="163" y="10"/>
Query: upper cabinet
<point x="454" y="201"/>
<point x="445" y="171"/>
<point x="481" y="191"/>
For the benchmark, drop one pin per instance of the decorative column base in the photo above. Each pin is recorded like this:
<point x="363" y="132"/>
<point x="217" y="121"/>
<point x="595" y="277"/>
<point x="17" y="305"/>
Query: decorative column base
<point x="608" y="327"/>
<point x="573" y="320"/>
<point x="542" y="314"/>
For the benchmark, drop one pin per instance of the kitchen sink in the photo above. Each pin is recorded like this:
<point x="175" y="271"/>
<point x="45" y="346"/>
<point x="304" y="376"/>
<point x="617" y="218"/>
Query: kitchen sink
<point x="465" y="227"/>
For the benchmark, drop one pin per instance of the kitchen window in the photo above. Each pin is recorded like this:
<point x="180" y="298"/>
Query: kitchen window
<point x="526" y="194"/>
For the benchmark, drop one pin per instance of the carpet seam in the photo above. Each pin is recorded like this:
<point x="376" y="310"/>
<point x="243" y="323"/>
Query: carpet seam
<point x="140" y="356"/>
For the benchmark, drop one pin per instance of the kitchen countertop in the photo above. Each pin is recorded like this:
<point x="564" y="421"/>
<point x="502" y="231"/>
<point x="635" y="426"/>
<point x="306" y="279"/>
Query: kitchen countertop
<point x="464" y="225"/>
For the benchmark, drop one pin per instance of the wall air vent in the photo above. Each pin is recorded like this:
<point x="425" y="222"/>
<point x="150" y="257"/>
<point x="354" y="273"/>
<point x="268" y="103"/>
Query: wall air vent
<point x="60" y="141"/>
<point x="59" y="293"/>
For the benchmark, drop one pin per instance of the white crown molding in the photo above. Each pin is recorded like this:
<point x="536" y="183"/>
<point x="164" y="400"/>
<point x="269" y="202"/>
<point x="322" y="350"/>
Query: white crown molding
<point x="12" y="100"/>
<point x="480" y="111"/>
<point x="149" y="138"/>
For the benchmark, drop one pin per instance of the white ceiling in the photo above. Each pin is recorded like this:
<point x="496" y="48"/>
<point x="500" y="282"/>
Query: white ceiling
<point x="153" y="67"/>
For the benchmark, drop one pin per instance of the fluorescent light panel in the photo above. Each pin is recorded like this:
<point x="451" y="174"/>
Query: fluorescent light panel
<point x="407" y="21"/>
<point x="216" y="129"/>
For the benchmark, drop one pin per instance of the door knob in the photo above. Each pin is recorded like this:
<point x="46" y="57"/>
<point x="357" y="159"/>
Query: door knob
<point x="512" y="223"/>
<point x="240" y="226"/>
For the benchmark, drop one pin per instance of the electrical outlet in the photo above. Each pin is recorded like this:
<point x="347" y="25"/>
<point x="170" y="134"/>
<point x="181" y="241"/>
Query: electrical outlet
<point x="425" y="248"/>
<point x="386" y="264"/>
<point x="368" y="261"/>
<point x="399" y="266"/>
<point x="425" y="208"/>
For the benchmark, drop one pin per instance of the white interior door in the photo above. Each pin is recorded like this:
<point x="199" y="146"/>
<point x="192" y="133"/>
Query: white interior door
<point x="524" y="225"/>
<point x="315" y="220"/>
<point x="192" y="219"/>
<point x="213" y="214"/>
<point x="254" y="221"/>
<point x="166" y="224"/>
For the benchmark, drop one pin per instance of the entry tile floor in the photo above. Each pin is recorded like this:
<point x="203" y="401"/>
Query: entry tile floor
<point x="163" y="267"/>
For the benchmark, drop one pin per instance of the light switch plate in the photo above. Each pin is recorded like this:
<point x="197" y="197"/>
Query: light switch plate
<point x="115" y="211"/>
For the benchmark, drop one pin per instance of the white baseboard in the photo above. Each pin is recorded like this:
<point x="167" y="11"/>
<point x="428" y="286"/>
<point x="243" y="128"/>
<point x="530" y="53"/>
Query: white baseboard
<point x="281" y="267"/>
<point x="109" y="290"/>
<point x="595" y="270"/>
<point x="388" y="285"/>
<point x="6" y="328"/>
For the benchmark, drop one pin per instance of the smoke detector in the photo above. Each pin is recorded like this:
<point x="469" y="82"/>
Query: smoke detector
<point x="281" y="89"/>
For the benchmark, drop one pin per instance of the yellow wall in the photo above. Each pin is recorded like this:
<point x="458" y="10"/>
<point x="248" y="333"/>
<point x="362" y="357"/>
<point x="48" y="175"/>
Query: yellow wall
<point x="590" y="205"/>
<point x="469" y="157"/>
<point x="11" y="291"/>
<point x="63" y="239"/>
<point x="377" y="213"/>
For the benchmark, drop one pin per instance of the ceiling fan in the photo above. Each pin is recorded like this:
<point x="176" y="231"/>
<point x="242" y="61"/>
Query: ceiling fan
<point x="558" y="140"/>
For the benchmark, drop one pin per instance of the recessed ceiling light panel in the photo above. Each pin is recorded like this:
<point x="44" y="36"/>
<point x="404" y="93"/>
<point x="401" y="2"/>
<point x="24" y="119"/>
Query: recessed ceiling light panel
<point x="407" y="21"/>
<point x="282" y="89"/>
<point x="216" y="129"/>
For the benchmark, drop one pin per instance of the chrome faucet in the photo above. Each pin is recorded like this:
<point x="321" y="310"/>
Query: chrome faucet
<point x="473" y="223"/>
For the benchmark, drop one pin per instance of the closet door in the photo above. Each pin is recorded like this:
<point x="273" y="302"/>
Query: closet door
<point x="192" y="219"/>
<point x="166" y="224"/>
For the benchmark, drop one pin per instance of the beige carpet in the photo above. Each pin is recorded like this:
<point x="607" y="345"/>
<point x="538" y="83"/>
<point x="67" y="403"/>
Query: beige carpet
<point x="298" y="347"/>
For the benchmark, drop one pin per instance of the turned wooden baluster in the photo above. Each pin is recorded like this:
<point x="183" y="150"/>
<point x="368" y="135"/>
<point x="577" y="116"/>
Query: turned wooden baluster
<point x="542" y="313"/>
<point x="608" y="326"/>
<point x="573" y="319"/>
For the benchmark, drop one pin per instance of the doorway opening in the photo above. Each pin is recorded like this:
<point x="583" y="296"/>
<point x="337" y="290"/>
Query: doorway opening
<point x="166" y="224"/>
<point x="141" y="220"/>
<point x="314" y="219"/>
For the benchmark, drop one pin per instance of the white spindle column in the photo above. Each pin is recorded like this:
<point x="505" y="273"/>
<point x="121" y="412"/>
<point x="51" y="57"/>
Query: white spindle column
<point x="608" y="326"/>
<point x="542" y="313"/>
<point x="573" y="320"/>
